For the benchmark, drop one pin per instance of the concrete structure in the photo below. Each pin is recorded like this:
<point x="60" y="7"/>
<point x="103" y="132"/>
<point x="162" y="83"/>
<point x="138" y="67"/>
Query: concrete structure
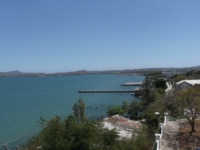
<point x="133" y="84"/>
<point x="170" y="136"/>
<point x="158" y="136"/>
<point x="185" y="84"/>
<point x="167" y="74"/>
<point x="173" y="71"/>
<point x="107" y="91"/>
<point x="123" y="125"/>
<point x="167" y="138"/>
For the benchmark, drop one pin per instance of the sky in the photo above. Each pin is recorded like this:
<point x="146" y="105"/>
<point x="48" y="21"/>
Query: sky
<point x="69" y="35"/>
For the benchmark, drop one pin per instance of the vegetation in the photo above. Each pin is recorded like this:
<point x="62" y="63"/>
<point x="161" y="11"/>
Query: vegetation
<point x="160" y="83"/>
<point x="115" y="110"/>
<point x="186" y="104"/>
<point x="134" y="110"/>
<point x="148" y="92"/>
<point x="190" y="108"/>
<point x="179" y="78"/>
<point x="76" y="132"/>
<point x="68" y="134"/>
<point x="71" y="134"/>
<point x="125" y="106"/>
<point x="193" y="74"/>
<point x="79" y="110"/>
<point x="179" y="104"/>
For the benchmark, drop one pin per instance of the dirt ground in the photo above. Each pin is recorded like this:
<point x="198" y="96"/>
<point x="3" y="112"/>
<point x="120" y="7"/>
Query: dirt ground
<point x="187" y="142"/>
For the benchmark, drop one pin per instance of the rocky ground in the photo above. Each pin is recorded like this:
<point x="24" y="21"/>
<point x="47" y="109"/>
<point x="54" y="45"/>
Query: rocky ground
<point x="187" y="142"/>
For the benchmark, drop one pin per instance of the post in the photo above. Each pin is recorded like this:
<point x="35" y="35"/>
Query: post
<point x="158" y="136"/>
<point x="157" y="144"/>
<point x="162" y="129"/>
<point x="6" y="148"/>
<point x="165" y="118"/>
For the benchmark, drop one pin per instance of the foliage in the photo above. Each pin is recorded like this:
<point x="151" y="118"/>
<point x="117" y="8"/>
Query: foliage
<point x="151" y="119"/>
<point x="179" y="78"/>
<point x="79" y="110"/>
<point x="190" y="73"/>
<point x="190" y="100"/>
<point x="125" y="106"/>
<point x="160" y="83"/>
<point x="53" y="134"/>
<point x="141" y="140"/>
<point x="115" y="110"/>
<point x="183" y="104"/>
<point x="155" y="74"/>
<point x="148" y="92"/>
<point x="134" y="109"/>
<point x="110" y="138"/>
<point x="161" y="91"/>
<point x="68" y="134"/>
<point x="171" y="104"/>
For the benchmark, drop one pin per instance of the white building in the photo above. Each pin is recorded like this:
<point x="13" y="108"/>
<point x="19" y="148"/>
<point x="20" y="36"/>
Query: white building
<point x="185" y="84"/>
<point x="167" y="74"/>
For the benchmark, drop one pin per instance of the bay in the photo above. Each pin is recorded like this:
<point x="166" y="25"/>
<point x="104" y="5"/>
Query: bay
<point x="23" y="100"/>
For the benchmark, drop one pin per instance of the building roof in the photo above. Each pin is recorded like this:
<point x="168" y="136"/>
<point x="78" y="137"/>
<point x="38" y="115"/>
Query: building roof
<point x="192" y="82"/>
<point x="123" y="125"/>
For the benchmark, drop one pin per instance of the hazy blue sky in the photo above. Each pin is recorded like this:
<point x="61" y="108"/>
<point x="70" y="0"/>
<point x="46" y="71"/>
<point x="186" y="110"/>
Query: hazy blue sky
<point x="69" y="35"/>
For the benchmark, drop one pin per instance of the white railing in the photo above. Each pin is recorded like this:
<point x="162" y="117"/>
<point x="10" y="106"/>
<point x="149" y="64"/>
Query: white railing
<point x="158" y="137"/>
<point x="17" y="147"/>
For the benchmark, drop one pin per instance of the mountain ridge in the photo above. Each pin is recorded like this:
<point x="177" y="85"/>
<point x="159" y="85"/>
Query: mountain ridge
<point x="83" y="72"/>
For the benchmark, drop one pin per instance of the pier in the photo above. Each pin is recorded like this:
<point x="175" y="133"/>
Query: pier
<point x="133" y="84"/>
<point x="107" y="91"/>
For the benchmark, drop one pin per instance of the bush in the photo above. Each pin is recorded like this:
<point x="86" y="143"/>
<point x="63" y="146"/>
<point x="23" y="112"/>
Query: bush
<point x="179" y="78"/>
<point x="115" y="110"/>
<point x="160" y="83"/>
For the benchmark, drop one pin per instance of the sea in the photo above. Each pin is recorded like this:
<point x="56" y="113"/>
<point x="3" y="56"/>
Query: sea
<point x="23" y="100"/>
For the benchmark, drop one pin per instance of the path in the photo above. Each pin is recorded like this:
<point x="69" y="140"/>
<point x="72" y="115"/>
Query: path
<point x="169" y="87"/>
<point x="170" y="136"/>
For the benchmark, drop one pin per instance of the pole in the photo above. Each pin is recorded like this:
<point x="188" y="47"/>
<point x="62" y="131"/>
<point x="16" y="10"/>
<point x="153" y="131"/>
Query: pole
<point x="79" y="117"/>
<point x="6" y="148"/>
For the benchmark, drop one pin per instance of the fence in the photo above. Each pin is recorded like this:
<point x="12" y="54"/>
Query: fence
<point x="17" y="147"/>
<point x="158" y="136"/>
<point x="6" y="147"/>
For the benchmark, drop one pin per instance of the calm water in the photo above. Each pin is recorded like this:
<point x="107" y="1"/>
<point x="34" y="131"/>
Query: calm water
<point x="24" y="99"/>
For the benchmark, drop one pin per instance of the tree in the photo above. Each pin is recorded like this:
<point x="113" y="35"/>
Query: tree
<point x="69" y="134"/>
<point x="160" y="83"/>
<point x="184" y="104"/>
<point x="190" y="105"/>
<point x="148" y="93"/>
<point x="115" y="110"/>
<point x="179" y="78"/>
<point x="83" y="136"/>
<point x="52" y="134"/>
<point x="79" y="110"/>
<point x="134" y="109"/>
<point x="109" y="138"/>
<point x="142" y="139"/>
<point x="125" y="106"/>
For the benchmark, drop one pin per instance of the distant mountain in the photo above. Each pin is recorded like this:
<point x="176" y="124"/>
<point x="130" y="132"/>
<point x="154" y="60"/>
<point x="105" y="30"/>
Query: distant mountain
<point x="83" y="72"/>
<point x="18" y="73"/>
<point x="195" y="67"/>
<point x="13" y="73"/>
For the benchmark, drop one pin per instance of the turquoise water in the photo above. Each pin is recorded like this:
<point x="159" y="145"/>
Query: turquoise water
<point x="23" y="100"/>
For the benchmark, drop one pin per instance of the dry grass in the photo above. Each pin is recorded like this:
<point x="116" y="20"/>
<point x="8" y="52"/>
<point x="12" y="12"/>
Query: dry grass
<point x="187" y="142"/>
